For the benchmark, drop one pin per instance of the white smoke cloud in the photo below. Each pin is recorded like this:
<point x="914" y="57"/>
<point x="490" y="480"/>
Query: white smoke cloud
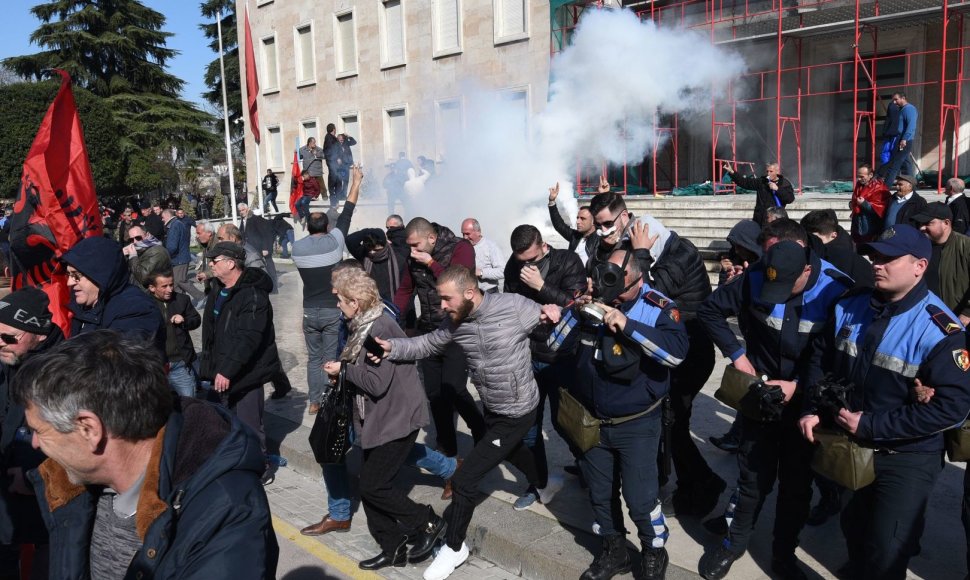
<point x="606" y="90"/>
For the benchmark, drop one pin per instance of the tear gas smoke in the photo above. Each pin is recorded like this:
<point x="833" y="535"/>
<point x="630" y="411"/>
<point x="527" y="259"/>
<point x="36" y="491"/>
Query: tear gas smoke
<point x="606" y="91"/>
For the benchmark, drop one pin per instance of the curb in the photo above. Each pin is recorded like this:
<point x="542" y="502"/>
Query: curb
<point x="527" y="544"/>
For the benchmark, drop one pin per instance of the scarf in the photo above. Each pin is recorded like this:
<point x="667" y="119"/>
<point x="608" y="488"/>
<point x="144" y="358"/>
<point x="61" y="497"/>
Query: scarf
<point x="387" y="256"/>
<point x="359" y="328"/>
<point x="146" y="243"/>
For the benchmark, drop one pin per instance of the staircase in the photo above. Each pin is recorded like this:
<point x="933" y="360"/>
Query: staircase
<point x="707" y="220"/>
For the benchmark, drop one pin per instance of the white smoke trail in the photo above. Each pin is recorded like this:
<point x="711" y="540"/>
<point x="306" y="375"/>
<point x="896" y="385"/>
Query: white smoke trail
<point x="607" y="88"/>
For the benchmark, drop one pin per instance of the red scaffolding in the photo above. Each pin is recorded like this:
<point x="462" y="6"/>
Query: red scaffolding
<point x="787" y="24"/>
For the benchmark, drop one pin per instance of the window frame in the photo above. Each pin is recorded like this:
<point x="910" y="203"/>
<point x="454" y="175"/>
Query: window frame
<point x="269" y="148"/>
<point x="382" y="36"/>
<point x="437" y="52"/>
<point x="499" y="35"/>
<point x="338" y="49"/>
<point x="298" y="53"/>
<point x="437" y="120"/>
<point x="392" y="156"/>
<point x="267" y="90"/>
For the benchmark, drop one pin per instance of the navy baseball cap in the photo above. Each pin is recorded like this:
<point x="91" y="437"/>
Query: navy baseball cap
<point x="784" y="263"/>
<point x="900" y="240"/>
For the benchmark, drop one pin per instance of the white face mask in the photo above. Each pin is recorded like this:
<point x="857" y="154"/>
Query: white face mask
<point x="606" y="233"/>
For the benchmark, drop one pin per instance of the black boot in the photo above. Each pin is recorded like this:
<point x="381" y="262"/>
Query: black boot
<point x="612" y="561"/>
<point x="715" y="565"/>
<point x="426" y="537"/>
<point x="399" y="558"/>
<point x="655" y="562"/>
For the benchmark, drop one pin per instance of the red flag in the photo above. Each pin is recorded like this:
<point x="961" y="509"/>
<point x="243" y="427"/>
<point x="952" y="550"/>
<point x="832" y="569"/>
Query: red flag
<point x="296" y="184"/>
<point x="56" y="206"/>
<point x="252" y="82"/>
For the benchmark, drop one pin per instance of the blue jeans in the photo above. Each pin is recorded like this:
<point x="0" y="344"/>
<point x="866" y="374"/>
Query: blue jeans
<point x="320" y="327"/>
<point x="285" y="242"/>
<point x="303" y="206"/>
<point x="182" y="379"/>
<point x="634" y="445"/>
<point x="340" y="504"/>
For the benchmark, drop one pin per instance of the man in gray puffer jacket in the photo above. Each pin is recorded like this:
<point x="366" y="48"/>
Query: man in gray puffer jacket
<point x="493" y="331"/>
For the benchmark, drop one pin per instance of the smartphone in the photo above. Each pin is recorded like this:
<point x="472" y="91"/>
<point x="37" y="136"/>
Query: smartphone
<point x="372" y="347"/>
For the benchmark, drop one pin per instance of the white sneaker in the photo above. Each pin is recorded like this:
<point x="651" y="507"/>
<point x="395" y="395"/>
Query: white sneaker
<point x="445" y="562"/>
<point x="553" y="485"/>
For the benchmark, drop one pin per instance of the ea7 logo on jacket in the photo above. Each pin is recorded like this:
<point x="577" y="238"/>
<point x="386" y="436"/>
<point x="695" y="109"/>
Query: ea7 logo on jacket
<point x="962" y="358"/>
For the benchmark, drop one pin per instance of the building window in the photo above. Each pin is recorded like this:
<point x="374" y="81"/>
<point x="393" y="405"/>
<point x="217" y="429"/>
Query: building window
<point x="392" y="33"/>
<point x="395" y="132"/>
<point x="446" y="27"/>
<point x="308" y="128"/>
<point x="345" y="44"/>
<point x="271" y="70"/>
<point x="274" y="147"/>
<point x="511" y="20"/>
<point x="448" y="127"/>
<point x="350" y="126"/>
<point x="305" y="56"/>
<point x="516" y="102"/>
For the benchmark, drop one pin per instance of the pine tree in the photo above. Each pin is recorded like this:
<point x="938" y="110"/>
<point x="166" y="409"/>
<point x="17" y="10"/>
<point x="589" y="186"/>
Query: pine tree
<point x="117" y="50"/>
<point x="212" y="9"/>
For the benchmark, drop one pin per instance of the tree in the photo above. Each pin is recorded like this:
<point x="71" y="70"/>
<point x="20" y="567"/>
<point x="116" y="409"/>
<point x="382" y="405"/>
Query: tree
<point x="212" y="9"/>
<point x="116" y="49"/>
<point x="22" y="108"/>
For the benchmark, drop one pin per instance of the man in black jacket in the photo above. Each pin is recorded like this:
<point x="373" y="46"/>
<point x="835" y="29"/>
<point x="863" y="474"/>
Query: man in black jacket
<point x="581" y="240"/>
<point x="26" y="329"/>
<point x="904" y="203"/>
<point x="180" y="318"/>
<point x="773" y="189"/>
<point x="258" y="233"/>
<point x="239" y="352"/>
<point x="547" y="276"/>
<point x="383" y="258"/>
<point x="833" y="244"/>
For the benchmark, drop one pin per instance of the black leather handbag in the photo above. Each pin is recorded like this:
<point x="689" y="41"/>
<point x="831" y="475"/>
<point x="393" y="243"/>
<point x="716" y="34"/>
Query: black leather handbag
<point x="330" y="435"/>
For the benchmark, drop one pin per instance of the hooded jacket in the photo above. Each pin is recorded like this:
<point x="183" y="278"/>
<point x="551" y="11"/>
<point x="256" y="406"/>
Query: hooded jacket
<point x="202" y="512"/>
<point x="380" y="272"/>
<point x="679" y="273"/>
<point x="121" y="306"/>
<point x="241" y="343"/>
<point x="841" y="253"/>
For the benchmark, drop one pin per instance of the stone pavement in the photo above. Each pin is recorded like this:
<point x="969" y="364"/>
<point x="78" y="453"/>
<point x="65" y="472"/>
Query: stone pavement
<point x="555" y="541"/>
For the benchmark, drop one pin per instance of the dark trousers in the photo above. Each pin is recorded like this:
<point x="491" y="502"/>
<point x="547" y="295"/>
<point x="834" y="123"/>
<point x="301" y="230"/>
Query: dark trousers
<point x="502" y="441"/>
<point x="771" y="451"/>
<point x="548" y="379"/>
<point x="445" y="383"/>
<point x="685" y="382"/>
<point x="965" y="516"/>
<point x="631" y="446"/>
<point x="883" y="521"/>
<point x="333" y="182"/>
<point x="898" y="162"/>
<point x="390" y="512"/>
<point x="180" y="274"/>
<point x="249" y="409"/>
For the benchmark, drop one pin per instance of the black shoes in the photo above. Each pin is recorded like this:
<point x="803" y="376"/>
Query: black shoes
<point x="727" y="443"/>
<point x="426" y="537"/>
<point x="399" y="558"/>
<point x="281" y="392"/>
<point x="823" y="510"/>
<point x="787" y="568"/>
<point x="715" y="565"/>
<point x="612" y="561"/>
<point x="655" y="562"/>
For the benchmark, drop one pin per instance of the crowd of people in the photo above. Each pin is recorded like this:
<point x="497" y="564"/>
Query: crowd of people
<point x="130" y="452"/>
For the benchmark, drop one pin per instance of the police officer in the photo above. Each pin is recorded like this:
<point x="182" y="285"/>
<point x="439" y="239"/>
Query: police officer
<point x="781" y="302"/>
<point x="887" y="342"/>
<point x="623" y="359"/>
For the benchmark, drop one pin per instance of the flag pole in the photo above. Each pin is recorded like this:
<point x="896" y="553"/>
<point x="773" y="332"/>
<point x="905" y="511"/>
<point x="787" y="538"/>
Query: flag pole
<point x="225" y="120"/>
<point x="259" y="181"/>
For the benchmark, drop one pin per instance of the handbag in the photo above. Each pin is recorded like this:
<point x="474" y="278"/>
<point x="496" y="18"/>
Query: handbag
<point x="582" y="428"/>
<point x="957" y="442"/>
<point x="842" y="459"/>
<point x="330" y="435"/>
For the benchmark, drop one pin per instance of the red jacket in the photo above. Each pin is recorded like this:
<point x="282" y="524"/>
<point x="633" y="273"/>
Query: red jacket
<point x="875" y="192"/>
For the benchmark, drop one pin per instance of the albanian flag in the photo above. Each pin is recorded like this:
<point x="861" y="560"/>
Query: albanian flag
<point x="252" y="81"/>
<point x="56" y="206"/>
<point x="296" y="183"/>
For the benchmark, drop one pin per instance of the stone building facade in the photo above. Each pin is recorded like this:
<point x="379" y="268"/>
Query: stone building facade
<point x="393" y="74"/>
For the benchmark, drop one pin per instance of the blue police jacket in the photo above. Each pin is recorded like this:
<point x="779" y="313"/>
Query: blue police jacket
<point x="777" y="336"/>
<point x="882" y="348"/>
<point x="622" y="374"/>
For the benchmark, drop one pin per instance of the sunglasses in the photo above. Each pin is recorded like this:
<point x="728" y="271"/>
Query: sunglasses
<point x="10" y="338"/>
<point x="137" y="238"/>
<point x="609" y="224"/>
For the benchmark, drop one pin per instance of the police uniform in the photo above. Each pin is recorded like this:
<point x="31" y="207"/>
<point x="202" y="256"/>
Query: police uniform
<point x="881" y="348"/>
<point x="620" y="375"/>
<point x="777" y="337"/>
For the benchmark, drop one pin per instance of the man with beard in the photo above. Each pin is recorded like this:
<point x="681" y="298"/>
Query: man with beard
<point x="502" y="372"/>
<point x="433" y="249"/>
<point x="25" y="329"/>
<point x="548" y="276"/>
<point x="870" y="197"/>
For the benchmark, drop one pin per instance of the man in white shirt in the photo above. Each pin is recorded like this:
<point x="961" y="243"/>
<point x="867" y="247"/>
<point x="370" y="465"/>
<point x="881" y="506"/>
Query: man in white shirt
<point x="489" y="261"/>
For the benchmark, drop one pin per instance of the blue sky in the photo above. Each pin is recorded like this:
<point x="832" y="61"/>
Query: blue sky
<point x="182" y="20"/>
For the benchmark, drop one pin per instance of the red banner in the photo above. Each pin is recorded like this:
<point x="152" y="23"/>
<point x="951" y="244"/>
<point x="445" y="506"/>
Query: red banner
<point x="252" y="82"/>
<point x="296" y="184"/>
<point x="56" y="206"/>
